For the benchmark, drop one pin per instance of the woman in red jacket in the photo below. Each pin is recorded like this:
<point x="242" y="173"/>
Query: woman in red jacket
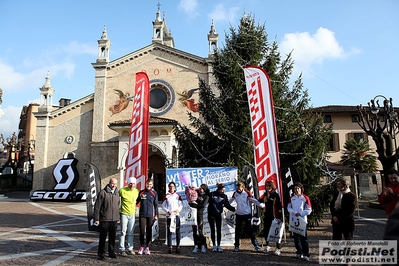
<point x="273" y="210"/>
<point x="390" y="194"/>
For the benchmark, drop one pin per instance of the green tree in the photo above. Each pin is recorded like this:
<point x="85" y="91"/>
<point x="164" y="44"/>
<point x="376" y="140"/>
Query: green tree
<point x="358" y="154"/>
<point x="221" y="135"/>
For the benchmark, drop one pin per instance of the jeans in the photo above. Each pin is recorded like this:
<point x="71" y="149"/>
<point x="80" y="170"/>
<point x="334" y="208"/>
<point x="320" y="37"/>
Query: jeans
<point x="169" y="234"/>
<point x="301" y="244"/>
<point x="127" y="228"/>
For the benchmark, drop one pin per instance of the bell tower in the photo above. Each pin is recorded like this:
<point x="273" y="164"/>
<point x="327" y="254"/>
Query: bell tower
<point x="103" y="48"/>
<point x="46" y="96"/>
<point x="100" y="84"/>
<point x="158" y="26"/>
<point x="161" y="33"/>
<point x="213" y="38"/>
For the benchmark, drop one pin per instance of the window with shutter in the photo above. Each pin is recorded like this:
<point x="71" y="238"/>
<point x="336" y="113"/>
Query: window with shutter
<point x="334" y="142"/>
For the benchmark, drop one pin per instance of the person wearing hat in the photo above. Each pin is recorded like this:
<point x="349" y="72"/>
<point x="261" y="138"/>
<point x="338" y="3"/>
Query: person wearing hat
<point x="128" y="196"/>
<point x="191" y="195"/>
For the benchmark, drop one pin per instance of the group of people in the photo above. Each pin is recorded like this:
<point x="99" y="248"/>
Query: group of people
<point x="344" y="202"/>
<point x="217" y="200"/>
<point x="115" y="206"/>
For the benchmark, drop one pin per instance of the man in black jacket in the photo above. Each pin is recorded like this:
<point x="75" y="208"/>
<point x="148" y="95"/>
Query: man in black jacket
<point x="342" y="207"/>
<point x="106" y="215"/>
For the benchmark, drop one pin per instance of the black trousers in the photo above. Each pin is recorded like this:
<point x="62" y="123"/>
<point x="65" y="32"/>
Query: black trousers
<point x="198" y="231"/>
<point x="145" y="224"/>
<point x="246" y="219"/>
<point x="217" y="219"/>
<point x="340" y="230"/>
<point x="107" y="228"/>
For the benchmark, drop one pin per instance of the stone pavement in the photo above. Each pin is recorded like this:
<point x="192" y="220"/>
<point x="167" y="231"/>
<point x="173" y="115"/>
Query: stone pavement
<point x="55" y="233"/>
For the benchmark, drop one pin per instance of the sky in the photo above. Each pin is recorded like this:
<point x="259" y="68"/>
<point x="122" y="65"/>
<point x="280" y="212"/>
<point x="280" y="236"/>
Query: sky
<point x="346" y="51"/>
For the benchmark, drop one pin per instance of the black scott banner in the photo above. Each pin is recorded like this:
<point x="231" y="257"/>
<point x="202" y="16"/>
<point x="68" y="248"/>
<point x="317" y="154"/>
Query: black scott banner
<point x="93" y="187"/>
<point x="289" y="175"/>
<point x="66" y="176"/>
<point x="252" y="185"/>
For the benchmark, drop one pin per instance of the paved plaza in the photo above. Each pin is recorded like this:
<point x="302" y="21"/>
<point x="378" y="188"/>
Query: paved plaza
<point x="55" y="233"/>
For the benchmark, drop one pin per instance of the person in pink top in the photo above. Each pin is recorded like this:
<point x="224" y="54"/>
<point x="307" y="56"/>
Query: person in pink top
<point x="191" y="195"/>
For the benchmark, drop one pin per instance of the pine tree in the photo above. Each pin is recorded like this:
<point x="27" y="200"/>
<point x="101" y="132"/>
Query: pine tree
<point x="222" y="135"/>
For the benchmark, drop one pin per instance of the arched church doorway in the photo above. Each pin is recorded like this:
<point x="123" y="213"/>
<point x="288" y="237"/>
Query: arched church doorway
<point x="156" y="170"/>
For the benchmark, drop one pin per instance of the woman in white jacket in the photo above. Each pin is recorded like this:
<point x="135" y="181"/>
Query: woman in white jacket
<point x="243" y="198"/>
<point x="300" y="205"/>
<point x="172" y="205"/>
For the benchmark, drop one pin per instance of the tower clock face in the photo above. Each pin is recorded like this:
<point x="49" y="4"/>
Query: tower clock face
<point x="162" y="97"/>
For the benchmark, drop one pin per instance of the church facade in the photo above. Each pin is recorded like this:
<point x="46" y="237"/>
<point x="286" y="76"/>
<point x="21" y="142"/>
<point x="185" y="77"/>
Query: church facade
<point x="96" y="128"/>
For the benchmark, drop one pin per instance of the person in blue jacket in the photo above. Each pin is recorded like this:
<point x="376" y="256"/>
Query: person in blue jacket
<point x="217" y="201"/>
<point x="148" y="213"/>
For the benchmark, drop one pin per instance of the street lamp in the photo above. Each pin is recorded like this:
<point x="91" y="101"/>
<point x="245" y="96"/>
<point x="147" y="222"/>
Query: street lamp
<point x="388" y="110"/>
<point x="31" y="154"/>
<point x="1" y="101"/>
<point x="13" y="147"/>
<point x="391" y="121"/>
<point x="381" y="123"/>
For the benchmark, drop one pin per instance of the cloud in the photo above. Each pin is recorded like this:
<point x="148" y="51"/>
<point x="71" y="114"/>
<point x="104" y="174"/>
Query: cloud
<point x="9" y="121"/>
<point x="190" y="7"/>
<point x="12" y="80"/>
<point x="75" y="48"/>
<point x="9" y="78"/>
<point x="220" y="13"/>
<point x="62" y="53"/>
<point x="59" y="61"/>
<point x="308" y="50"/>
